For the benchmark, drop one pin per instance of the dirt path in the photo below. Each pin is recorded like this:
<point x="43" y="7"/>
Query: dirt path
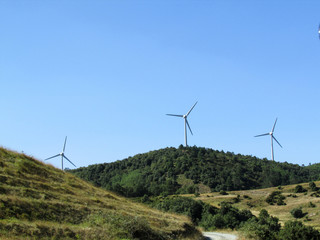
<point x="219" y="236"/>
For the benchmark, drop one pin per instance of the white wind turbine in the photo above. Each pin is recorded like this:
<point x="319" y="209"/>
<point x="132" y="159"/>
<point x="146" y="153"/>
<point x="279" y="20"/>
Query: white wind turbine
<point x="272" y="137"/>
<point x="185" y="123"/>
<point x="62" y="155"/>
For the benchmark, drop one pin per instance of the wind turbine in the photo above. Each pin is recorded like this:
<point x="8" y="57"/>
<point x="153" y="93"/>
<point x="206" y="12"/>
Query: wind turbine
<point x="272" y="137"/>
<point x="62" y="155"/>
<point x="185" y="122"/>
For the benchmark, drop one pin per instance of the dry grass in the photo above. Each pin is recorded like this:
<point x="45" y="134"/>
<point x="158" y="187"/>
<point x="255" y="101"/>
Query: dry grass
<point x="256" y="201"/>
<point x="39" y="200"/>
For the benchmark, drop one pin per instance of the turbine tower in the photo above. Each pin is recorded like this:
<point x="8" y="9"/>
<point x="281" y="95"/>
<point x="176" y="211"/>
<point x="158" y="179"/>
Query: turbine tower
<point x="185" y="123"/>
<point x="272" y="137"/>
<point x="62" y="155"/>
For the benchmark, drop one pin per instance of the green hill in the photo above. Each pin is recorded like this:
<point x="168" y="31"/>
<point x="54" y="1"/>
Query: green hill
<point x="193" y="169"/>
<point x="38" y="201"/>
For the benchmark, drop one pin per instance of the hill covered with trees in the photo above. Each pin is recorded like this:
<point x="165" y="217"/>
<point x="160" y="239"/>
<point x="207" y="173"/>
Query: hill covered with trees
<point x="191" y="170"/>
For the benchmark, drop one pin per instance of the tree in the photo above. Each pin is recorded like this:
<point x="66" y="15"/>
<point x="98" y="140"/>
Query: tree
<point x="296" y="230"/>
<point x="299" y="189"/>
<point x="313" y="186"/>
<point x="297" y="213"/>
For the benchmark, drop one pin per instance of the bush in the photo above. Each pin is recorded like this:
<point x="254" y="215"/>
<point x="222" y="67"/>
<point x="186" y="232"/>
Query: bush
<point x="246" y="196"/>
<point x="313" y="186"/>
<point x="311" y="204"/>
<point x="187" y="206"/>
<point x="265" y="227"/>
<point x="299" y="189"/>
<point x="233" y="217"/>
<point x="296" y="230"/>
<point x="314" y="194"/>
<point x="292" y="195"/>
<point x="236" y="199"/>
<point x="297" y="213"/>
<point x="222" y="192"/>
<point x="276" y="198"/>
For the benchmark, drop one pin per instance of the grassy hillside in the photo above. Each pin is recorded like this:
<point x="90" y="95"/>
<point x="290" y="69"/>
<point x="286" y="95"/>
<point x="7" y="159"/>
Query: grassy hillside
<point x="38" y="201"/>
<point x="192" y="169"/>
<point x="255" y="201"/>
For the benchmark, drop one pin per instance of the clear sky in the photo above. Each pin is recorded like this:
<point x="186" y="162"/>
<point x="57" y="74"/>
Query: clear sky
<point x="105" y="73"/>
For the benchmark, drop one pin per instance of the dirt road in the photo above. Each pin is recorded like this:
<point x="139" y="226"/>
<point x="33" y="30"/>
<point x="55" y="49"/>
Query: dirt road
<point x="219" y="236"/>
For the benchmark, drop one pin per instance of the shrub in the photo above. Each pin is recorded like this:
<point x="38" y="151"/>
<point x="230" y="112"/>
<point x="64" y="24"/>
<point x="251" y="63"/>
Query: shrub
<point x="145" y="199"/>
<point x="296" y="230"/>
<point x="299" y="189"/>
<point x="311" y="204"/>
<point x="314" y="194"/>
<point x="265" y="227"/>
<point x="223" y="192"/>
<point x="236" y="199"/>
<point x="297" y="213"/>
<point x="313" y="186"/>
<point x="250" y="205"/>
<point x="246" y="196"/>
<point x="276" y="198"/>
<point x="233" y="217"/>
<point x="188" y="206"/>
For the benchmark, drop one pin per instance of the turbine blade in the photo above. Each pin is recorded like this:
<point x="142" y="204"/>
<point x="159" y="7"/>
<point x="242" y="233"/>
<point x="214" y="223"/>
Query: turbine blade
<point x="276" y="140"/>
<point x="265" y="134"/>
<point x="52" y="157"/>
<point x="69" y="160"/>
<point x="274" y="125"/>
<point x="64" y="146"/>
<point x="191" y="108"/>
<point x="174" y="115"/>
<point x="189" y="126"/>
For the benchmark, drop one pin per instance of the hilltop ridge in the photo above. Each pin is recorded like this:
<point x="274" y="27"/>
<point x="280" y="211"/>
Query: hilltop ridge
<point x="193" y="169"/>
<point x="38" y="201"/>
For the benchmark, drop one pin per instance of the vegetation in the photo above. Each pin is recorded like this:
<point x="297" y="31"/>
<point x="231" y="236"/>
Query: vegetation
<point x="262" y="227"/>
<point x="296" y="230"/>
<point x="313" y="186"/>
<point x="266" y="227"/>
<point x="191" y="170"/>
<point x="255" y="201"/>
<point x="203" y="214"/>
<point x="38" y="201"/>
<point x="276" y="198"/>
<point x="299" y="189"/>
<point x="297" y="213"/>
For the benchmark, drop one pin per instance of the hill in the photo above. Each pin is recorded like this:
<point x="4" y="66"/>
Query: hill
<point x="191" y="170"/>
<point x="38" y="201"/>
<point x="305" y="198"/>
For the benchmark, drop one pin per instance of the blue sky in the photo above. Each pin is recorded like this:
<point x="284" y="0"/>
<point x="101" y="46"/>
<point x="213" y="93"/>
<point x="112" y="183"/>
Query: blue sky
<point x="105" y="73"/>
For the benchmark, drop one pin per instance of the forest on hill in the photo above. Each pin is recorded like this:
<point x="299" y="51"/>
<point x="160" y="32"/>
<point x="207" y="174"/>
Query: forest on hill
<point x="190" y="169"/>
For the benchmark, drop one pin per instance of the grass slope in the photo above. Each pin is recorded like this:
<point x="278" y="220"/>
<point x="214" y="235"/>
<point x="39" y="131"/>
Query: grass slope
<point x="38" y="201"/>
<point x="255" y="200"/>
